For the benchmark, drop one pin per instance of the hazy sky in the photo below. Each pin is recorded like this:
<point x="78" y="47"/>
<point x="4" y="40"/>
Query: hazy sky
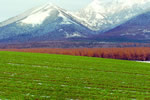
<point x="10" y="8"/>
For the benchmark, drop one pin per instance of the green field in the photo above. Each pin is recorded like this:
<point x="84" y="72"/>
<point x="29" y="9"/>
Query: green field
<point x="33" y="76"/>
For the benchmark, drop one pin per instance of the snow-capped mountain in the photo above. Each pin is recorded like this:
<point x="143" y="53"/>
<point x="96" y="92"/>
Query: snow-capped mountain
<point x="102" y="15"/>
<point x="50" y="22"/>
<point x="34" y="16"/>
<point x="135" y="29"/>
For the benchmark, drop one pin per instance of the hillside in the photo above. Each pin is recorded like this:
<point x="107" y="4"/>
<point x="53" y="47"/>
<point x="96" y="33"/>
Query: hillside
<point x="44" y="76"/>
<point x="136" y="29"/>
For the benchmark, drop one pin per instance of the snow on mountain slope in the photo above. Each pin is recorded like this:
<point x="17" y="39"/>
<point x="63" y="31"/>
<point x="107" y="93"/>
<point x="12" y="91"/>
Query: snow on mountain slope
<point x="106" y="14"/>
<point x="47" y="19"/>
<point x="99" y="15"/>
<point x="38" y="16"/>
<point x="16" y="18"/>
<point x="34" y="16"/>
<point x="136" y="28"/>
<point x="51" y="22"/>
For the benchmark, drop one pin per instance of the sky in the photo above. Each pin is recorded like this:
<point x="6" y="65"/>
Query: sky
<point x="11" y="8"/>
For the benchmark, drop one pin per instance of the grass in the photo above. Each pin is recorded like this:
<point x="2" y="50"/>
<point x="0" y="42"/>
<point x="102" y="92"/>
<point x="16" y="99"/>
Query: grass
<point x="33" y="76"/>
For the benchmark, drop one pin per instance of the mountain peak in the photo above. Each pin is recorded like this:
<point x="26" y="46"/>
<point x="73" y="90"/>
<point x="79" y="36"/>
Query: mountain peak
<point x="27" y="15"/>
<point x="105" y="14"/>
<point x="38" y="15"/>
<point x="49" y="5"/>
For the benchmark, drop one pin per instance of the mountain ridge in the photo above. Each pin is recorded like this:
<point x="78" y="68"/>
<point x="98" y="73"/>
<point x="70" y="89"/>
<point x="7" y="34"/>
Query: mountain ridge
<point x="51" y="22"/>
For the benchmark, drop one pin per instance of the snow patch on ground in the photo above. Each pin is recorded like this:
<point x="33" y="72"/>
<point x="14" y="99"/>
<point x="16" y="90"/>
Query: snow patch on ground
<point x="128" y="34"/>
<point x="146" y="31"/>
<point x="15" y="64"/>
<point x="76" y="34"/>
<point x="144" y="61"/>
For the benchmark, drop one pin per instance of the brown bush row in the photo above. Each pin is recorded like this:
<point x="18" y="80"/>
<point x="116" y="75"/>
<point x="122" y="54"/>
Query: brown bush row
<point x="114" y="53"/>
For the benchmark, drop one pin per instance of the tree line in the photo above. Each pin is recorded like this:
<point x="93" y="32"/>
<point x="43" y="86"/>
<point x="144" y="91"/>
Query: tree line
<point x="137" y="53"/>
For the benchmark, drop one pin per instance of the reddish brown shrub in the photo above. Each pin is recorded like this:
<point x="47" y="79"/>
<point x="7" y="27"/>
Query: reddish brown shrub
<point x="142" y="53"/>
